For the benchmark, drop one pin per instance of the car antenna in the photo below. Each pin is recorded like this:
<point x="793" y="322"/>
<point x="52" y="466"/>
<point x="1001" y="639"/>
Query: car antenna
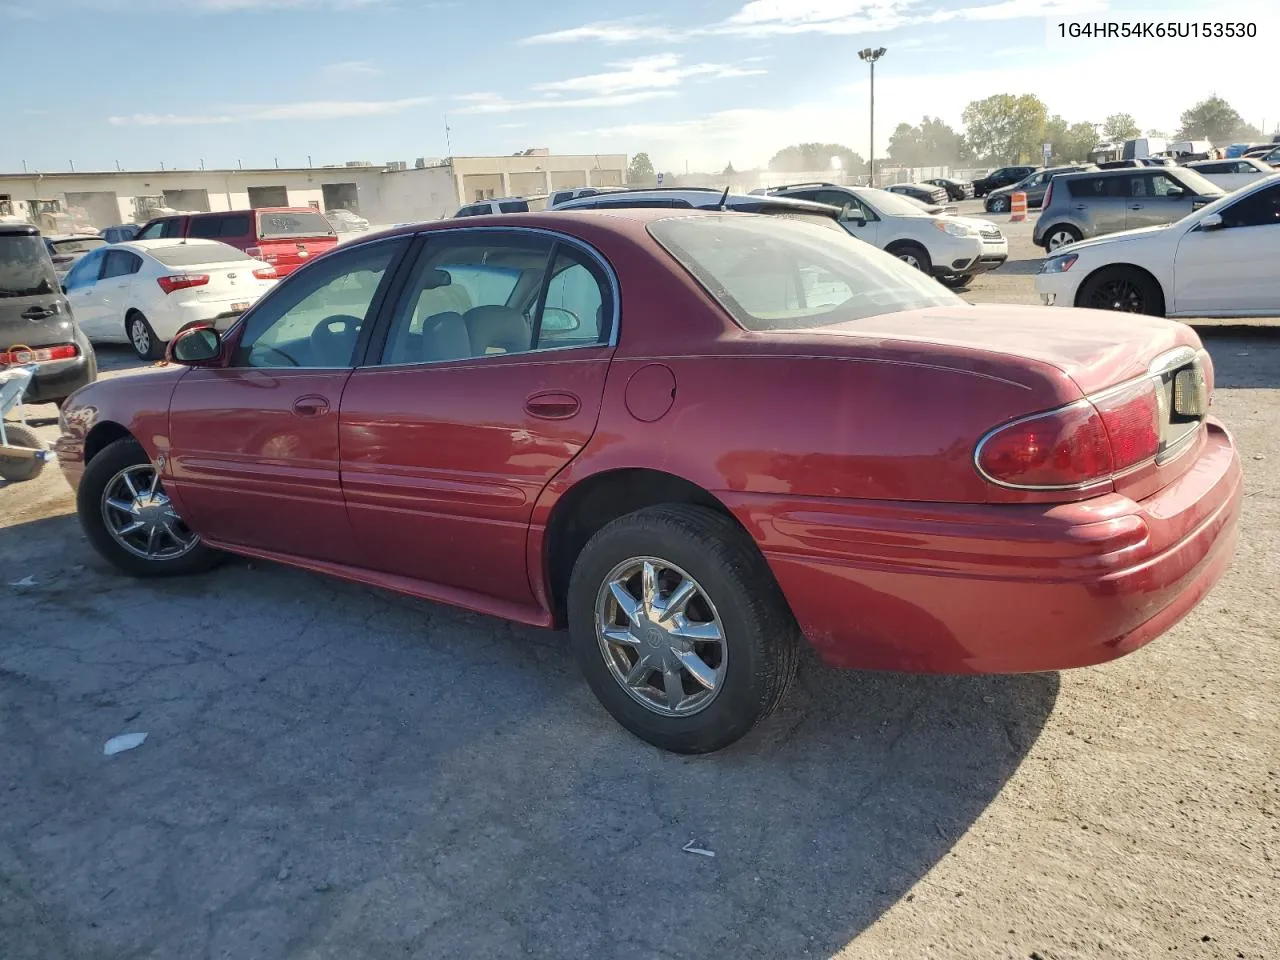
<point x="724" y="199"/>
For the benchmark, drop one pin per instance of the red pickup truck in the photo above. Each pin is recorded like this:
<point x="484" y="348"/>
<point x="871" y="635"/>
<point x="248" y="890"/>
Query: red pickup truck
<point x="286" y="237"/>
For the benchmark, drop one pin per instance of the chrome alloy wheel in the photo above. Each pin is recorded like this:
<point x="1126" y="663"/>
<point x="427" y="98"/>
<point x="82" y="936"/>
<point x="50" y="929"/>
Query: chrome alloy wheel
<point x="661" y="636"/>
<point x="140" y="336"/>
<point x="140" y="518"/>
<point x="1061" y="238"/>
<point x="910" y="260"/>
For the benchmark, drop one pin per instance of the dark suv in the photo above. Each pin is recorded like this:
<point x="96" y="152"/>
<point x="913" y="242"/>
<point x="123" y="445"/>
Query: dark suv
<point x="1083" y="205"/>
<point x="1004" y="177"/>
<point x="36" y="325"/>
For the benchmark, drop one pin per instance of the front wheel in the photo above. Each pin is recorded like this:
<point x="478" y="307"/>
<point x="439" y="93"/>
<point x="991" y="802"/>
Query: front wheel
<point x="955" y="281"/>
<point x="680" y="629"/>
<point x="1124" y="289"/>
<point x="129" y="519"/>
<point x="913" y="255"/>
<point x="999" y="205"/>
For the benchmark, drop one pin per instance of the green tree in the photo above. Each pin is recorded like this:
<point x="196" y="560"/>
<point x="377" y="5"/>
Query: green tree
<point x="1218" y="122"/>
<point x="1120" y="126"/>
<point x="641" y="169"/>
<point x="931" y="144"/>
<point x="808" y="157"/>
<point x="1006" y="127"/>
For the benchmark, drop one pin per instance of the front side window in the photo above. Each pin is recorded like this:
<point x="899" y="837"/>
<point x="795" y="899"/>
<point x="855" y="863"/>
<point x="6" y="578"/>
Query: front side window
<point x="1163" y="186"/>
<point x="313" y="319"/>
<point x="1260" y="209"/>
<point x="786" y="275"/>
<point x="155" y="231"/>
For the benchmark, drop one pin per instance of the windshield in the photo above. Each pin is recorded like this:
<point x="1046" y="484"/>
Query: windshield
<point x="189" y="254"/>
<point x="25" y="268"/>
<point x="1198" y="184"/>
<point x="299" y="224"/>
<point x="782" y="274"/>
<point x="889" y="204"/>
<point x="79" y="245"/>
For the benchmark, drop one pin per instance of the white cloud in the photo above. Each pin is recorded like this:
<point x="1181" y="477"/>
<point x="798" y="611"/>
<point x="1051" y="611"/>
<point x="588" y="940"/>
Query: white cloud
<point x="493" y="103"/>
<point x="12" y="11"/>
<point x="660" y="71"/>
<point x="353" y="68"/>
<point x="310" y="110"/>
<point x="608" y="31"/>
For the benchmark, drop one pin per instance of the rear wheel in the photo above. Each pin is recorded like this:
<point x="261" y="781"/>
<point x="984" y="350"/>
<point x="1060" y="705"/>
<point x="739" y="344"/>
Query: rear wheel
<point x="17" y="469"/>
<point x="680" y="628"/>
<point x="913" y="255"/>
<point x="129" y="519"/>
<point x="145" y="343"/>
<point x="1124" y="289"/>
<point x="1056" y="238"/>
<point x="999" y="205"/>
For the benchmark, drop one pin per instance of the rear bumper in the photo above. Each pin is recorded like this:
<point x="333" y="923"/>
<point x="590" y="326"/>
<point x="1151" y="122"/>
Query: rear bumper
<point x="938" y="588"/>
<point x="61" y="378"/>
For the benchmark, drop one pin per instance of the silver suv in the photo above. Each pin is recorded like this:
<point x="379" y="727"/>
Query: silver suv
<point x="1083" y="205"/>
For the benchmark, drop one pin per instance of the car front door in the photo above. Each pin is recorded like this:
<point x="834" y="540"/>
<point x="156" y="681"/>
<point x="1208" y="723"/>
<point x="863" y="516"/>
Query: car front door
<point x="83" y="294"/>
<point x="486" y="383"/>
<point x="1156" y="198"/>
<point x="253" y="445"/>
<point x="1231" y="270"/>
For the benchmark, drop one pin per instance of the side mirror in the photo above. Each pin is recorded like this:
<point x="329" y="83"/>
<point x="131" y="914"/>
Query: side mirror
<point x="1212" y="222"/>
<point x="559" y="320"/>
<point x="195" y="346"/>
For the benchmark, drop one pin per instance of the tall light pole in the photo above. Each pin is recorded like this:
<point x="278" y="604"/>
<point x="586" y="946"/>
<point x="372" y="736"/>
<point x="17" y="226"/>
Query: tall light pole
<point x="871" y="56"/>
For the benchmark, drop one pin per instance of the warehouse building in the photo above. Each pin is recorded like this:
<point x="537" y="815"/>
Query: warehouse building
<point x="392" y="193"/>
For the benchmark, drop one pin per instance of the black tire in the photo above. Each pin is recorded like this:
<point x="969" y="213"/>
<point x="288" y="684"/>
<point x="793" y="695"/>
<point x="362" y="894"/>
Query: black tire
<point x="998" y="205"/>
<point x="1123" y="289"/>
<point x="17" y="469"/>
<point x="1060" y="235"/>
<point x="921" y="256"/>
<point x="138" y="329"/>
<point x="761" y="638"/>
<point x="98" y="473"/>
<point x="955" y="281"/>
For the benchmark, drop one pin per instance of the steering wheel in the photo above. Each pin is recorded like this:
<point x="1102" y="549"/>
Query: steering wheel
<point x="266" y="346"/>
<point x="334" y="337"/>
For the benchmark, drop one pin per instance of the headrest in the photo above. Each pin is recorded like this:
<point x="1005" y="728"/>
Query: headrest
<point x="495" y="327"/>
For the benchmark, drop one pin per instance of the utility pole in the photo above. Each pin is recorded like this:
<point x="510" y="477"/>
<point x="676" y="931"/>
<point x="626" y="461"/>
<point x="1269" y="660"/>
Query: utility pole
<point x="870" y="56"/>
<point x="448" y="142"/>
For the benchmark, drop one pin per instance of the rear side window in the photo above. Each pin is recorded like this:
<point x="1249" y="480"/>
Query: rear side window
<point x="205" y="228"/>
<point x="120" y="263"/>
<point x="293" y="224"/>
<point x="25" y="268"/>
<point x="781" y="274"/>
<point x="561" y="197"/>
<point x="513" y="206"/>
<point x="1098" y="188"/>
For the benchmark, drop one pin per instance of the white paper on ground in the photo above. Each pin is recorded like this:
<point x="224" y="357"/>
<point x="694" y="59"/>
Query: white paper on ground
<point x="126" y="741"/>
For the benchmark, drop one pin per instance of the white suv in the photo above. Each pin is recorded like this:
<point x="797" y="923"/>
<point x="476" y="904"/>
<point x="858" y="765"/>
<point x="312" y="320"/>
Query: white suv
<point x="483" y="208"/>
<point x="952" y="249"/>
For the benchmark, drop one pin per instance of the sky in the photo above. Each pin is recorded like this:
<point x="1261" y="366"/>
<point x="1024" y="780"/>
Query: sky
<point x="144" y="82"/>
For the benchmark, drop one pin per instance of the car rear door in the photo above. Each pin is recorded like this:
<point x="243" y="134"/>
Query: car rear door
<point x="485" y="382"/>
<point x="254" y="444"/>
<point x="1231" y="270"/>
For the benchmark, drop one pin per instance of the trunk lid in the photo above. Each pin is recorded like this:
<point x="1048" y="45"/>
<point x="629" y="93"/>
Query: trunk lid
<point x="289" y="238"/>
<point x="232" y="282"/>
<point x="1095" y="349"/>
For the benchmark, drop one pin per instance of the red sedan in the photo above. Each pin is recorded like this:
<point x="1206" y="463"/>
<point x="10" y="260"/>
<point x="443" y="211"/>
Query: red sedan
<point x="692" y="437"/>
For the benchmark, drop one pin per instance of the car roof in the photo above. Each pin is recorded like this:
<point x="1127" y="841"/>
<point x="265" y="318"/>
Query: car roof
<point x="19" y="230"/>
<point x="146" y="246"/>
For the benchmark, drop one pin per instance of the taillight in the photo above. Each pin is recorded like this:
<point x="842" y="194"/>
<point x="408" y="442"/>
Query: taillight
<point x="1132" y="417"/>
<point x="182" y="281"/>
<point x="42" y="355"/>
<point x="266" y="273"/>
<point x="1076" y="445"/>
<point x="1063" y="448"/>
<point x="1048" y="197"/>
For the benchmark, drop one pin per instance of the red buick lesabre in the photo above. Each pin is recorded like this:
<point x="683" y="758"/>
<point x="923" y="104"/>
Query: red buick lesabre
<point x="691" y="437"/>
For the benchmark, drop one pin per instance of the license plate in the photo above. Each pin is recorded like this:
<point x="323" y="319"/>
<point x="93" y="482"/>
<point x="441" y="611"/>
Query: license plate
<point x="239" y="307"/>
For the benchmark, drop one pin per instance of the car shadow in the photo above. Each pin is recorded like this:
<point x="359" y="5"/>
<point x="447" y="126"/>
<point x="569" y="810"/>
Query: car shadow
<point x="1244" y="357"/>
<point x="332" y="770"/>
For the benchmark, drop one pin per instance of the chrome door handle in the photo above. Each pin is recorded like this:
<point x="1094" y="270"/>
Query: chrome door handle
<point x="312" y="406"/>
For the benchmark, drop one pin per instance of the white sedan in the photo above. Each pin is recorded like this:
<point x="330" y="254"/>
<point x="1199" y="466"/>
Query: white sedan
<point x="1216" y="262"/>
<point x="1231" y="174"/>
<point x="145" y="291"/>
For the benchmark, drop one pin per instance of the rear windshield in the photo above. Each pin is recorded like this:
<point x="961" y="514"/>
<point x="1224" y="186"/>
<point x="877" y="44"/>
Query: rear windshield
<point x="189" y="254"/>
<point x="25" y="268"/>
<point x="78" y="245"/>
<point x="780" y="274"/>
<point x="293" y="225"/>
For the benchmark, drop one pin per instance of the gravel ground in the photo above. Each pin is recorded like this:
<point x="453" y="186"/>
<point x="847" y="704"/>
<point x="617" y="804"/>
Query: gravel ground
<point x="336" y="772"/>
